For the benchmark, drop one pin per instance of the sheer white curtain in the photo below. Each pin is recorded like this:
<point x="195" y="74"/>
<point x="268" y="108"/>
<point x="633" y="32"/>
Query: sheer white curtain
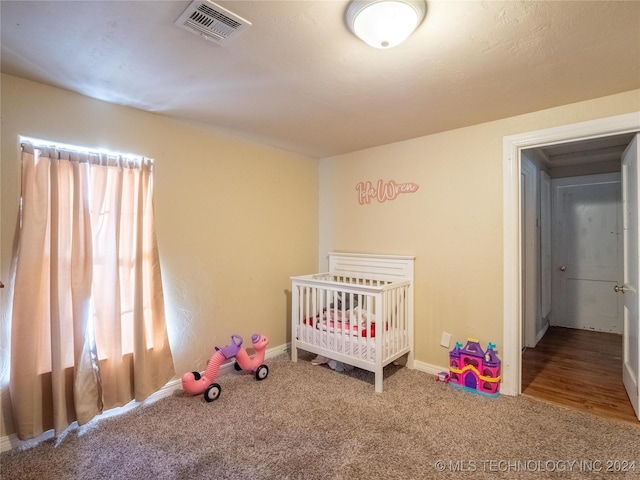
<point x="88" y="326"/>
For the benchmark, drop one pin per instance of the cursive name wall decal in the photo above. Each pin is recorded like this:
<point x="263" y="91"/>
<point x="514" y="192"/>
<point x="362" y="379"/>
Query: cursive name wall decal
<point x="383" y="191"/>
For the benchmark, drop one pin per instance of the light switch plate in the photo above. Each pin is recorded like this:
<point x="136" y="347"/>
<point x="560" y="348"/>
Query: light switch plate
<point x="446" y="339"/>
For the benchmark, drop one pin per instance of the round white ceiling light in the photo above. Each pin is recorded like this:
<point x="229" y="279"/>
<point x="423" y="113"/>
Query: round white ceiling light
<point x="385" y="23"/>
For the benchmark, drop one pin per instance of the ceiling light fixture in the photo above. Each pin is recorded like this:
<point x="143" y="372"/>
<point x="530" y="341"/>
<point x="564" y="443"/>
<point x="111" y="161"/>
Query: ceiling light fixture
<point x="385" y="23"/>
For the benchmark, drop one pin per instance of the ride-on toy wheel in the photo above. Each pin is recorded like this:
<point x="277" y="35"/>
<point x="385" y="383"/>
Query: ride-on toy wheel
<point x="262" y="372"/>
<point x="212" y="392"/>
<point x="237" y="366"/>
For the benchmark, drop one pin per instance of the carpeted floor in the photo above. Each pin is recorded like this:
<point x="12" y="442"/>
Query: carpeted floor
<point x="310" y="422"/>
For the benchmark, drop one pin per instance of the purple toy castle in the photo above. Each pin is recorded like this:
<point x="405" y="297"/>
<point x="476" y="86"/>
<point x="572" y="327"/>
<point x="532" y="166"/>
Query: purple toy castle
<point x="474" y="369"/>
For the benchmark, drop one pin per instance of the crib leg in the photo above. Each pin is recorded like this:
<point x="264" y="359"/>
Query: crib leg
<point x="294" y="353"/>
<point x="379" y="381"/>
<point x="410" y="364"/>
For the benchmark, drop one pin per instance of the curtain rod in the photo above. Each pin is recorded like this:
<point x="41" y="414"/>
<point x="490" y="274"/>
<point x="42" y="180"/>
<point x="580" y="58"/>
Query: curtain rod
<point x="40" y="143"/>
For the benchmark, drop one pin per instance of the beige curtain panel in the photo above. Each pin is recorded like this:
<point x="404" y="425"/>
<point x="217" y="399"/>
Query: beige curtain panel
<point x="88" y="323"/>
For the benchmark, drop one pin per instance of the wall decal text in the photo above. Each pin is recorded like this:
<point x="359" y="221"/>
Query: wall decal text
<point x="383" y="191"/>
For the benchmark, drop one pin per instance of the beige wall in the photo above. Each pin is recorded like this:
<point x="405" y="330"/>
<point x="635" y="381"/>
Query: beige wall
<point x="452" y="224"/>
<point x="235" y="219"/>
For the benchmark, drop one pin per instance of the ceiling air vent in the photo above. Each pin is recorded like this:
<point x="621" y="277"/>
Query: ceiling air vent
<point x="212" y="22"/>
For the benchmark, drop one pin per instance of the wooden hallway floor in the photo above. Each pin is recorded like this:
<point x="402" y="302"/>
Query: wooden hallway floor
<point x="579" y="369"/>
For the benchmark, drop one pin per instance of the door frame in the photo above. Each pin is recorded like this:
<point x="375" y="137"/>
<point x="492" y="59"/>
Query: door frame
<point x="512" y="146"/>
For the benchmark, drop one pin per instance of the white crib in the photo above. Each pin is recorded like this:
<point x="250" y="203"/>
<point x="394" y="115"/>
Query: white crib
<point x="359" y="313"/>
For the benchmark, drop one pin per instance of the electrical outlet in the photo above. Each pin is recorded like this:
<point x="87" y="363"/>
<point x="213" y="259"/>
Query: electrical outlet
<point x="446" y="339"/>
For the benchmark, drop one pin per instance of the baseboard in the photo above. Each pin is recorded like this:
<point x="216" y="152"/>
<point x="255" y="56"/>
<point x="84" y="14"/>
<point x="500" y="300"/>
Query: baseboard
<point x="9" y="442"/>
<point x="279" y="350"/>
<point x="429" y="368"/>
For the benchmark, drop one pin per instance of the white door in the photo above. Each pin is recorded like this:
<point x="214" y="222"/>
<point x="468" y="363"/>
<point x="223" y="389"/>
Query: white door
<point x="587" y="238"/>
<point x="629" y="290"/>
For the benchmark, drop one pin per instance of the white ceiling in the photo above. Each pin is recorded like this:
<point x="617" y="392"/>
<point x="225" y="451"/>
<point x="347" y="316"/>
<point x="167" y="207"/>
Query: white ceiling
<point x="298" y="79"/>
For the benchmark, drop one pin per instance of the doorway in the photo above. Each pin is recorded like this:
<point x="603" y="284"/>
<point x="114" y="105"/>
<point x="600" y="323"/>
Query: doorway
<point x="572" y="318"/>
<point x="513" y="145"/>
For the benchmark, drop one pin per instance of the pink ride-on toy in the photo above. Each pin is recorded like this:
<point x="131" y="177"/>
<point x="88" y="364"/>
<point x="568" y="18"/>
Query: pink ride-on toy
<point x="194" y="384"/>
